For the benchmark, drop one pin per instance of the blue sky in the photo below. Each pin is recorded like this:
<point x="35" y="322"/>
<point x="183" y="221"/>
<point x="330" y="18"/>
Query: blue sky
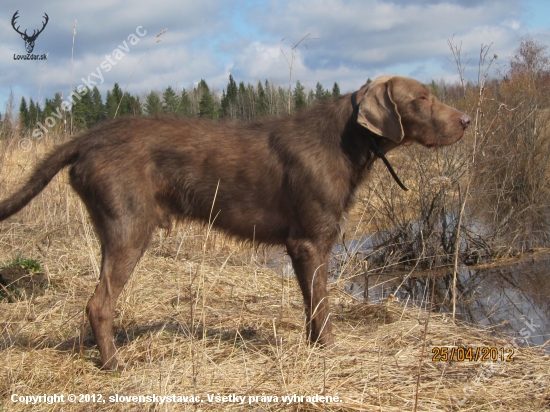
<point x="537" y="14"/>
<point x="349" y="41"/>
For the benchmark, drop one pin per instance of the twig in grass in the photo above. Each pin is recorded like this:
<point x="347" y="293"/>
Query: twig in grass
<point x="324" y="375"/>
<point x="543" y="397"/>
<point x="379" y="380"/>
<point x="423" y="345"/>
<point x="194" y="295"/>
<point x="10" y="295"/>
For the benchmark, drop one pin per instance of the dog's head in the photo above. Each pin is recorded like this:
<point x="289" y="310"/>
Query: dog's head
<point x="405" y="111"/>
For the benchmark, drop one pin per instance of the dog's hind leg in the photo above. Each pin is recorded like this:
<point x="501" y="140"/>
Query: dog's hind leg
<point x="122" y="247"/>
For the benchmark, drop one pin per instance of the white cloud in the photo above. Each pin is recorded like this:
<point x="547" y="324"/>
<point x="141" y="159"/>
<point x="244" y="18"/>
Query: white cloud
<point x="350" y="41"/>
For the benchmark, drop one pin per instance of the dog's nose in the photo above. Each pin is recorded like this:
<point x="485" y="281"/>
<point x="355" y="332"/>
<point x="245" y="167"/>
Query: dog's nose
<point x="465" y="120"/>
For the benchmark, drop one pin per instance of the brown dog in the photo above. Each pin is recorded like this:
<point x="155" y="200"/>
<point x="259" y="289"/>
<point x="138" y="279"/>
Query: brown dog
<point x="284" y="181"/>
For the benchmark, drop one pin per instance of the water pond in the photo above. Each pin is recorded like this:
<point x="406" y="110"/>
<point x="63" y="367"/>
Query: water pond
<point x="511" y="296"/>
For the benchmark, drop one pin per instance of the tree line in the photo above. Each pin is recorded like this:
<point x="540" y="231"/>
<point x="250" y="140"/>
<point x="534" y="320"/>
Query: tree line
<point x="239" y="102"/>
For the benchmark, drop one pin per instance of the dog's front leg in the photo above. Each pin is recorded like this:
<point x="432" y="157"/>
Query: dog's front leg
<point x="310" y="261"/>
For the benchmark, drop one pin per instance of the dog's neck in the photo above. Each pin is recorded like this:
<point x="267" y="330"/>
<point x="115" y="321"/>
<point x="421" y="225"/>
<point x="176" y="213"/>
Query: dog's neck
<point x="375" y="142"/>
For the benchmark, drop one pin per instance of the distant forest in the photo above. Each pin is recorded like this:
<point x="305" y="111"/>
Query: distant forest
<point x="243" y="102"/>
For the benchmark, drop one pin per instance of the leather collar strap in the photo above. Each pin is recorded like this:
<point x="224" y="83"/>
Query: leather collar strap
<point x="374" y="146"/>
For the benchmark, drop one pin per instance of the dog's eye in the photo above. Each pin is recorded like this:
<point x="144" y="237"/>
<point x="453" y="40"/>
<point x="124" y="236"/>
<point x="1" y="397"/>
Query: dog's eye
<point x="425" y="98"/>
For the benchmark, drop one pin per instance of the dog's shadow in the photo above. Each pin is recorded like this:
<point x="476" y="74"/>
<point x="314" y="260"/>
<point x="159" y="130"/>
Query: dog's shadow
<point x="126" y="336"/>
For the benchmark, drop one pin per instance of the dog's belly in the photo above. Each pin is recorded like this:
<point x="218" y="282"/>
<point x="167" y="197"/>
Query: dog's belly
<point x="258" y="225"/>
<point x="245" y="212"/>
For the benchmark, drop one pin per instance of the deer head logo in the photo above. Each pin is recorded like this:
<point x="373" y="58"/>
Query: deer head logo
<point x="29" y="40"/>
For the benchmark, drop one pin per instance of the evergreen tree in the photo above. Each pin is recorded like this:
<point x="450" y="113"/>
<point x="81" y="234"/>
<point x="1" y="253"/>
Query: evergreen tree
<point x="57" y="100"/>
<point x="207" y="106"/>
<point x="242" y="103"/>
<point x="132" y="105"/>
<point x="322" y="94"/>
<point x="319" y="92"/>
<point x="229" y="99"/>
<point x="128" y="106"/>
<point x="112" y="102"/>
<point x="56" y="103"/>
<point x="153" y="105"/>
<point x="261" y="105"/>
<point x="170" y="101"/>
<point x="98" y="108"/>
<point x="121" y="104"/>
<point x="184" y="107"/>
<point x="48" y="108"/>
<point x="252" y="101"/>
<point x="117" y="93"/>
<point x="23" y="113"/>
<point x="33" y="113"/>
<point x="39" y="113"/>
<point x="51" y="106"/>
<point x="232" y="90"/>
<point x="88" y="103"/>
<point x="110" y="105"/>
<point x="336" y="91"/>
<point x="310" y="98"/>
<point x="232" y="96"/>
<point x="299" y="96"/>
<point x="224" y="104"/>
<point x="82" y="112"/>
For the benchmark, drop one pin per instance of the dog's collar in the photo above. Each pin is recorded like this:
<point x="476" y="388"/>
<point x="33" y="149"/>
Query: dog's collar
<point x="374" y="146"/>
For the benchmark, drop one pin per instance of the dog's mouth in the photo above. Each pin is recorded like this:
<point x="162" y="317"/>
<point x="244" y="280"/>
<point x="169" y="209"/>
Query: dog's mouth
<point x="442" y="141"/>
<point x="431" y="144"/>
<point x="434" y="146"/>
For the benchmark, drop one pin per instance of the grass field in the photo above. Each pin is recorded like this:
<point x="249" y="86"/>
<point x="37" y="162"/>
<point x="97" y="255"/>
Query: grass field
<point x="203" y="319"/>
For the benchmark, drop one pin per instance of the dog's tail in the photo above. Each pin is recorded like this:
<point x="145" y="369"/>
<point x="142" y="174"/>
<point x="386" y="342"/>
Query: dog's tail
<point x="61" y="157"/>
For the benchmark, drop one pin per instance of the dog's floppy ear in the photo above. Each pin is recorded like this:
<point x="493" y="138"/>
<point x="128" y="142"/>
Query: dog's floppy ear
<point x="378" y="111"/>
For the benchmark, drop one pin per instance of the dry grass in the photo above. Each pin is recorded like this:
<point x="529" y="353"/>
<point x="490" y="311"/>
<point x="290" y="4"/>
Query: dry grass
<point x="202" y="315"/>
